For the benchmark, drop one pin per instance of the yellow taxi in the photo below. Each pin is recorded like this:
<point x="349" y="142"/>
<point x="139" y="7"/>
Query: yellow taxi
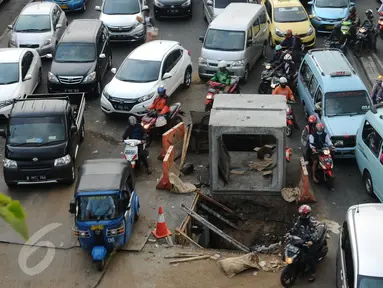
<point x="289" y="14"/>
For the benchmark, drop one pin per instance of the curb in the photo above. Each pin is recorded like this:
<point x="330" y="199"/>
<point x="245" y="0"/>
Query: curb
<point x="196" y="79"/>
<point x="373" y="67"/>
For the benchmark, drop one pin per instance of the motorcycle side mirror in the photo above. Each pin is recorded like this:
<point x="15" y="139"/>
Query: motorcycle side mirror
<point x="72" y="206"/>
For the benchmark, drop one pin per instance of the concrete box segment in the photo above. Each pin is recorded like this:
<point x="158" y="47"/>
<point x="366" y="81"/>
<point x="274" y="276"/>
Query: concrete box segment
<point x="247" y="116"/>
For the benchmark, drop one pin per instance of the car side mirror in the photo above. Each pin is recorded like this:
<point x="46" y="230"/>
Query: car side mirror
<point x="167" y="76"/>
<point x="310" y="3"/>
<point x="49" y="56"/>
<point x="102" y="56"/>
<point x="2" y="133"/>
<point x="113" y="70"/>
<point x="209" y="3"/>
<point x="10" y="27"/>
<point x="311" y="16"/>
<point x="201" y="39"/>
<point x="72" y="206"/>
<point x="97" y="8"/>
<point x="353" y="4"/>
<point x="73" y="129"/>
<point x="58" y="26"/>
<point x="27" y="77"/>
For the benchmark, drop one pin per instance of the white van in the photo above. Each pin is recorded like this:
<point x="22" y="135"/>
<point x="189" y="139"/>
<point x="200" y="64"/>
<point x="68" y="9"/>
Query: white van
<point x="239" y="35"/>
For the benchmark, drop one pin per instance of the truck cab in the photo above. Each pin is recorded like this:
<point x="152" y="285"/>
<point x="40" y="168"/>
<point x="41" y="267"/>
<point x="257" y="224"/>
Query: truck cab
<point x="43" y="135"/>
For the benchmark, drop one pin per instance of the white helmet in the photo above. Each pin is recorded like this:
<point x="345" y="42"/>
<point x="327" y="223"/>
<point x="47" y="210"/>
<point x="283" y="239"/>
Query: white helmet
<point x="283" y="80"/>
<point x="287" y="57"/>
<point x="222" y="64"/>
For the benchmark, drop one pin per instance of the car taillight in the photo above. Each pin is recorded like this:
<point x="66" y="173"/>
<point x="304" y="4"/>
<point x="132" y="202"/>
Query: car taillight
<point x="188" y="52"/>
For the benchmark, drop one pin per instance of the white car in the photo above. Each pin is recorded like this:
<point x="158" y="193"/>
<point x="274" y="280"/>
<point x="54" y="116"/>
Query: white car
<point x="20" y="74"/>
<point x="134" y="86"/>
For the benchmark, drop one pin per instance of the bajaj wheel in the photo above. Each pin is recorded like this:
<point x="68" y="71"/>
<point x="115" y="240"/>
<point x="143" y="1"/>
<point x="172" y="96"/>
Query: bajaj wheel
<point x="137" y="215"/>
<point x="358" y="49"/>
<point x="148" y="139"/>
<point x="100" y="265"/>
<point x="287" y="276"/>
<point x="289" y="130"/>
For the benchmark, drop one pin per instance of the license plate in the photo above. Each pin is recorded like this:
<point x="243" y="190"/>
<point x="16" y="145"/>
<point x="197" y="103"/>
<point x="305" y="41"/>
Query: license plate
<point x="131" y="150"/>
<point x="36" y="178"/>
<point x="329" y="27"/>
<point x="173" y="11"/>
<point x="64" y="6"/>
<point x="96" y="227"/>
<point x="72" y="90"/>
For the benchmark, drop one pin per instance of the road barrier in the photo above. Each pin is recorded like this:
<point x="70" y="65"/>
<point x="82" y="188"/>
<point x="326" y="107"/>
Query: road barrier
<point x="173" y="137"/>
<point x="168" y="166"/>
<point x="306" y="194"/>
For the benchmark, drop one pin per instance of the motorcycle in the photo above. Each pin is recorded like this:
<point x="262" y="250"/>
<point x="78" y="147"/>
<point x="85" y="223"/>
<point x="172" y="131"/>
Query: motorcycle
<point x="152" y="122"/>
<point x="216" y="88"/>
<point x="131" y="152"/>
<point x="325" y="167"/>
<point x="294" y="254"/>
<point x="343" y="41"/>
<point x="290" y="121"/>
<point x="380" y="23"/>
<point x="269" y="81"/>
<point x="361" y="41"/>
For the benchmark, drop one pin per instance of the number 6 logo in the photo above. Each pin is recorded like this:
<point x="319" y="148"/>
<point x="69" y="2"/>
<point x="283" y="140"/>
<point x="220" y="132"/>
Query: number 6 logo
<point x="28" y="249"/>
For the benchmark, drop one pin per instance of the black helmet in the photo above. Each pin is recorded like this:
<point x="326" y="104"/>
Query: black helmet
<point x="369" y="13"/>
<point x="353" y="10"/>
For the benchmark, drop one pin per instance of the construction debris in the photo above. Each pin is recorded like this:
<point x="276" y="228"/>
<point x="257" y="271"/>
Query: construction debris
<point x="215" y="257"/>
<point x="190" y="253"/>
<point x="290" y="194"/>
<point x="332" y="226"/>
<point x="239" y="171"/>
<point x="271" y="249"/>
<point x="185" y="146"/>
<point x="267" y="173"/>
<point x="260" y="165"/>
<point x="188" y="238"/>
<point x="264" y="150"/>
<point x="190" y="259"/>
<point x="218" y="216"/>
<point x="180" y="187"/>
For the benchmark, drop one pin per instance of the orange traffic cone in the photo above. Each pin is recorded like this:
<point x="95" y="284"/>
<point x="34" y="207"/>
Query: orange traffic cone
<point x="162" y="230"/>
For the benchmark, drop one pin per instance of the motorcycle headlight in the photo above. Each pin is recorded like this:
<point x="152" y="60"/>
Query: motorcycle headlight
<point x="63" y="160"/>
<point x="187" y="3"/>
<point x="202" y="61"/>
<point x="90" y="78"/>
<point x="339" y="143"/>
<point x="52" y="78"/>
<point x="311" y="31"/>
<point x="146" y="126"/>
<point x="238" y="63"/>
<point x="146" y="97"/>
<point x="279" y="32"/>
<point x="8" y="163"/>
<point x="48" y="41"/>
<point x="209" y="97"/>
<point x="158" y="4"/>
<point x="289" y="260"/>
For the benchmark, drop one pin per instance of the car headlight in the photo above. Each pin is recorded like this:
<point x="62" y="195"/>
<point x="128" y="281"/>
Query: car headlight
<point x="63" y="160"/>
<point x="48" y="41"/>
<point x="52" y="78"/>
<point x="338" y="143"/>
<point x="158" y="4"/>
<point x="187" y="3"/>
<point x="146" y="97"/>
<point x="106" y="95"/>
<point x="90" y="78"/>
<point x="12" y="41"/>
<point x="8" y="163"/>
<point x="7" y="102"/>
<point x="311" y="31"/>
<point x="202" y="61"/>
<point x="279" y="32"/>
<point x="238" y="63"/>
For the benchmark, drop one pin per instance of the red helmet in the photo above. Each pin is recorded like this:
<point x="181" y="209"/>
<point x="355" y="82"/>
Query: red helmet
<point x="304" y="211"/>
<point x="312" y="119"/>
<point x="289" y="32"/>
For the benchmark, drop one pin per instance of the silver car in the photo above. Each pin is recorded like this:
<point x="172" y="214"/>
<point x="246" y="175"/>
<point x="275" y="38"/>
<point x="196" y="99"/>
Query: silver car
<point x="39" y="26"/>
<point x="121" y="19"/>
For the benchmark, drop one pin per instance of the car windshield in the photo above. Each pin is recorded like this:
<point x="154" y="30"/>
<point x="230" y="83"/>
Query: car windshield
<point x="222" y="4"/>
<point x="346" y="103"/>
<point x="331" y="3"/>
<point x="290" y="14"/>
<point x="140" y="71"/>
<point x="9" y="73"/>
<point x="33" y="23"/>
<point x="116" y="7"/>
<point x="36" y="131"/>
<point x="98" y="207"/>
<point x="225" y="40"/>
<point x="369" y="282"/>
<point x="75" y="52"/>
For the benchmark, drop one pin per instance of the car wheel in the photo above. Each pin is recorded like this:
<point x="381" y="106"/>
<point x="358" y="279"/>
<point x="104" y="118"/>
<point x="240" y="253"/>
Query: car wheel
<point x="271" y="41"/>
<point x="10" y="184"/>
<point x="110" y="61"/>
<point x="187" y="78"/>
<point x="98" y="91"/>
<point x="246" y="74"/>
<point x="70" y="180"/>
<point x="368" y="184"/>
<point x="264" y="50"/>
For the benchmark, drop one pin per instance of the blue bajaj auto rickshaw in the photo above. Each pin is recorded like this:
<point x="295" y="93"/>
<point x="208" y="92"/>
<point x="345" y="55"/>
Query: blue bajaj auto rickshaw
<point x="105" y="206"/>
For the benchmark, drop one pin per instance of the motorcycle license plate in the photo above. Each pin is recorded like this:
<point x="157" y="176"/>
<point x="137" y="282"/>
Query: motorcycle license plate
<point x="329" y="27"/>
<point x="131" y="150"/>
<point x="292" y="248"/>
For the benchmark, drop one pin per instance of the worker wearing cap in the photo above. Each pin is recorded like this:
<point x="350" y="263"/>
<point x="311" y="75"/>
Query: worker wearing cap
<point x="376" y="92"/>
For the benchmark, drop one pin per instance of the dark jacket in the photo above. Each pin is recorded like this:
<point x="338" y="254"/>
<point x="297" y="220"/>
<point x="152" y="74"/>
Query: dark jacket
<point x="134" y="132"/>
<point x="368" y="24"/>
<point x="305" y="229"/>
<point x="354" y="19"/>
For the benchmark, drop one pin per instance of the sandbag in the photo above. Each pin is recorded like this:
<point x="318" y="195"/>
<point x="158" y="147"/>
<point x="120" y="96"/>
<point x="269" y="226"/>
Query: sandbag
<point x="235" y="265"/>
<point x="179" y="186"/>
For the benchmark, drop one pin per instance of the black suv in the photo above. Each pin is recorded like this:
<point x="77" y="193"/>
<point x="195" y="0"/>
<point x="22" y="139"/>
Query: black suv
<point x="82" y="57"/>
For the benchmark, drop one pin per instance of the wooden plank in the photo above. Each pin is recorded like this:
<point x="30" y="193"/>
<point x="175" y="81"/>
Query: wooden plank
<point x="189" y="239"/>
<point x="220" y="217"/>
<point x="215" y="202"/>
<point x="186" y="144"/>
<point x="190" y="259"/>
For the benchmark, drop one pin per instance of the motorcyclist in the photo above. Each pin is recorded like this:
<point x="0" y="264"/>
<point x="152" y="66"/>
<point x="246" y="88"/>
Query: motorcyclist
<point x="308" y="130"/>
<point x="283" y="89"/>
<point x="222" y="75"/>
<point x="136" y="131"/>
<point x="297" y="48"/>
<point x="148" y="20"/>
<point x="317" y="141"/>
<point x="368" y="23"/>
<point x="160" y="104"/>
<point x="277" y="57"/>
<point x="376" y="92"/>
<point x="288" y="42"/>
<point x="355" y="20"/>
<point x="288" y="68"/>
<point x="306" y="229"/>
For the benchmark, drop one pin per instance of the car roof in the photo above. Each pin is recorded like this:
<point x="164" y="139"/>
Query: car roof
<point x="367" y="234"/>
<point x="38" y="107"/>
<point x="229" y="20"/>
<point x="323" y="59"/>
<point x="153" y="50"/>
<point x="38" y="8"/>
<point x="82" y="30"/>
<point x="286" y="3"/>
<point x="102" y="175"/>
<point x="11" y="55"/>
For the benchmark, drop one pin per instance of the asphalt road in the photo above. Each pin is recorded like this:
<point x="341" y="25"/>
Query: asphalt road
<point x="332" y="205"/>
